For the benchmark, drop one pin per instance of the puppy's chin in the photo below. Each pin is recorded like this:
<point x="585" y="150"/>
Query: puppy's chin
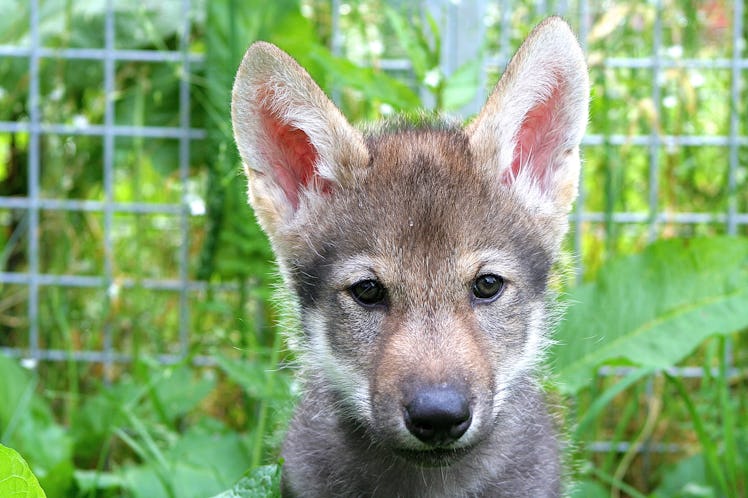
<point x="437" y="457"/>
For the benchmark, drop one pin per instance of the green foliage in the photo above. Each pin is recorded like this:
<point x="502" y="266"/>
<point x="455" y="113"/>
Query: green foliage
<point x="16" y="478"/>
<point x="589" y="489"/>
<point x="261" y="482"/>
<point x="650" y="311"/>
<point x="234" y="246"/>
<point x="691" y="477"/>
<point x="203" y="460"/>
<point x="421" y="41"/>
<point x="725" y="468"/>
<point x="377" y="87"/>
<point x="145" y="422"/>
<point x="686" y="479"/>
<point x="653" y="309"/>
<point x="28" y="425"/>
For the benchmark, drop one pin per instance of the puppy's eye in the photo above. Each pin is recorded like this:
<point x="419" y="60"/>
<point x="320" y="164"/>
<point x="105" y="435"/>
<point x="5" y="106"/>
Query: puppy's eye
<point x="368" y="292"/>
<point x="487" y="287"/>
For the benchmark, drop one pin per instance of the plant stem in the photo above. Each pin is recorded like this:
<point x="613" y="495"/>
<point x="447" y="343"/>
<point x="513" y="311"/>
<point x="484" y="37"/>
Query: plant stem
<point x="728" y="421"/>
<point x="264" y="404"/>
<point x="710" y="450"/>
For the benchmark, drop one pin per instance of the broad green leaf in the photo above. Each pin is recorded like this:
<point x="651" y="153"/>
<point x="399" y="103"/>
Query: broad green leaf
<point x="220" y="454"/>
<point x="49" y="451"/>
<point x="182" y="479"/>
<point x="654" y="308"/>
<point x="262" y="482"/>
<point x="16" y="478"/>
<point x="17" y="390"/>
<point x="88" y="481"/>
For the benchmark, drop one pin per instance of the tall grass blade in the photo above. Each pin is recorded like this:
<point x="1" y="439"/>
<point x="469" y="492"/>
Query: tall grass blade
<point x="731" y="454"/>
<point x="597" y="407"/>
<point x="710" y="449"/>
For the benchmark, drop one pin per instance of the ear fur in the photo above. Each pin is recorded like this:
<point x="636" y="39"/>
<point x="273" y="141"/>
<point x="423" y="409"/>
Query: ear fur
<point x="529" y="131"/>
<point x="293" y="141"/>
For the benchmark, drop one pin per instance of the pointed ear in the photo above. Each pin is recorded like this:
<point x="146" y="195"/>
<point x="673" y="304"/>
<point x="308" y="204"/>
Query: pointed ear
<point x="529" y="131"/>
<point x="293" y="141"/>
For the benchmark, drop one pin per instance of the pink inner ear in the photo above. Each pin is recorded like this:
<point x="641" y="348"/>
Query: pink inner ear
<point x="538" y="139"/>
<point x="292" y="157"/>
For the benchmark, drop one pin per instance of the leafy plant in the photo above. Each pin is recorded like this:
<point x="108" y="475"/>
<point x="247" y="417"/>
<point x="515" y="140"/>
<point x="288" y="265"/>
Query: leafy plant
<point x="144" y="424"/>
<point x="649" y="312"/>
<point x="261" y="482"/>
<point x="653" y="309"/>
<point x="28" y="425"/>
<point x="16" y="478"/>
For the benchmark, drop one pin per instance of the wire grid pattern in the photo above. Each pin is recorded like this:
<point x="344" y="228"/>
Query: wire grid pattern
<point x="33" y="203"/>
<point x="109" y="131"/>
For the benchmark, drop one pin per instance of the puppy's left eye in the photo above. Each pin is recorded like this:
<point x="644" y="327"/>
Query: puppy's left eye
<point x="487" y="288"/>
<point x="368" y="293"/>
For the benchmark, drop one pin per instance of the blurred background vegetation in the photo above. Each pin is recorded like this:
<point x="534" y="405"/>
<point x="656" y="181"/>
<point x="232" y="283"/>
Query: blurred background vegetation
<point x="186" y="414"/>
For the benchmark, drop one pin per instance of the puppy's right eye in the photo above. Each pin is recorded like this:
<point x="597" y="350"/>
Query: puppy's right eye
<point x="368" y="293"/>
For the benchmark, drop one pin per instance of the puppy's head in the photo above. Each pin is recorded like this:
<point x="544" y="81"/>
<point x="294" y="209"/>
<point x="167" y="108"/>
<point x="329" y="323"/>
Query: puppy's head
<point x="419" y="255"/>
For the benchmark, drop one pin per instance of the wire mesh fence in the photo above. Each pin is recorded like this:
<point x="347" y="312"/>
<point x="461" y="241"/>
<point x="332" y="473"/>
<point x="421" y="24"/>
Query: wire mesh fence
<point x="654" y="140"/>
<point x="36" y="202"/>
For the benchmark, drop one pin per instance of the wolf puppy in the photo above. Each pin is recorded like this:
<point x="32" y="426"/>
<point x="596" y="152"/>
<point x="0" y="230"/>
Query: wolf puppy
<point x="419" y="258"/>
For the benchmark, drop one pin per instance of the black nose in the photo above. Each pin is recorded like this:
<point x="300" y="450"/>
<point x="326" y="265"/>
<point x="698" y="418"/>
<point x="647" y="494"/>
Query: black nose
<point x="438" y="415"/>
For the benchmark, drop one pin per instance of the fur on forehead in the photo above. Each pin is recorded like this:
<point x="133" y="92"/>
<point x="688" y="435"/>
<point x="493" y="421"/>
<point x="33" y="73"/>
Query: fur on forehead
<point x="404" y="142"/>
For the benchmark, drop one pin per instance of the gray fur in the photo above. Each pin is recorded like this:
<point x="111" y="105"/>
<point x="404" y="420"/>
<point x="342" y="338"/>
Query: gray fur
<point x="425" y="210"/>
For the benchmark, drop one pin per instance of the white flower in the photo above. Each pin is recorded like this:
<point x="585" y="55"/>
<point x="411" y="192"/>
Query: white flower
<point x="80" y="121"/>
<point x="386" y="109"/>
<point x="113" y="290"/>
<point x="57" y="94"/>
<point x="29" y="363"/>
<point x="376" y="47"/>
<point x="697" y="79"/>
<point x="196" y="204"/>
<point x="432" y="78"/>
<point x="670" y="101"/>
<point x="675" y="52"/>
